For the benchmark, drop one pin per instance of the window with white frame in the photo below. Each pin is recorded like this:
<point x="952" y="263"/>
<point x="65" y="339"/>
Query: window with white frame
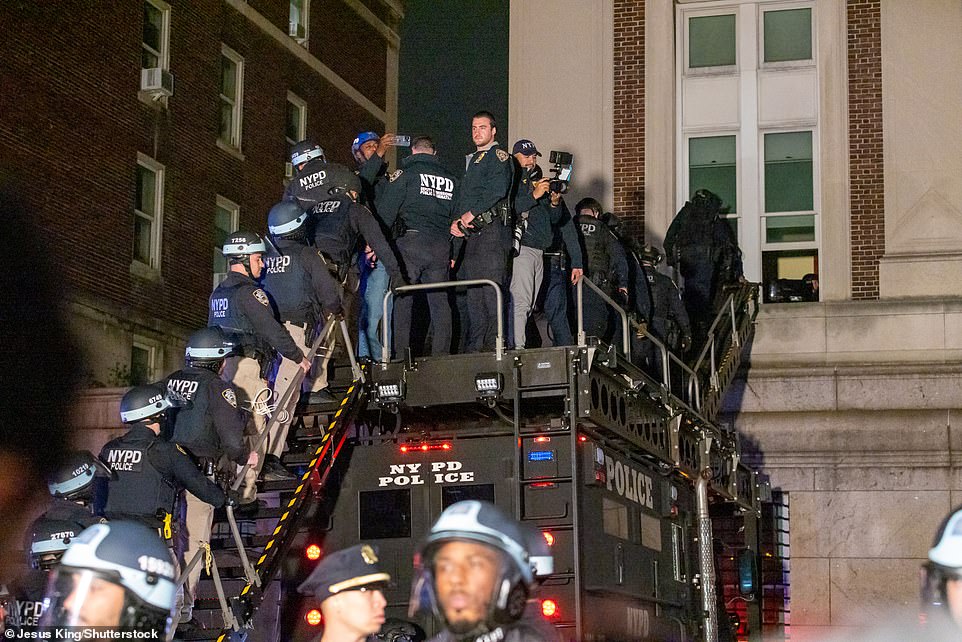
<point x="748" y="130"/>
<point x="145" y="359"/>
<point x="299" y="20"/>
<point x="226" y="221"/>
<point x="295" y="124"/>
<point x="231" y="97"/>
<point x="155" y="49"/>
<point x="148" y="211"/>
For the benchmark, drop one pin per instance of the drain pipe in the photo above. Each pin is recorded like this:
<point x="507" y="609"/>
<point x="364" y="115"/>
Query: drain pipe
<point x="706" y="553"/>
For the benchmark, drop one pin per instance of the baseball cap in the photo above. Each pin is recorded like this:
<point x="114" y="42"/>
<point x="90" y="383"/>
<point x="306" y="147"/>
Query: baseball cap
<point x="347" y="569"/>
<point x="526" y="147"/>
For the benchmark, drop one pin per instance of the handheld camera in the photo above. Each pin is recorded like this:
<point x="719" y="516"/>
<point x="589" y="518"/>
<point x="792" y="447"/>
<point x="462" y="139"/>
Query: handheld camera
<point x="563" y="165"/>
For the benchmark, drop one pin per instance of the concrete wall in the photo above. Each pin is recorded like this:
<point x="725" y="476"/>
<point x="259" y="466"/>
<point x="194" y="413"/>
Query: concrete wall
<point x="851" y="408"/>
<point x="559" y="87"/>
<point x="922" y="91"/>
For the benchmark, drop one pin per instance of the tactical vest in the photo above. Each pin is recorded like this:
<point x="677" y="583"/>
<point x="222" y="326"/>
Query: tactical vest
<point x="288" y="283"/>
<point x="330" y="228"/>
<point x="25" y="611"/>
<point x="193" y="426"/>
<point x="597" y="259"/>
<point x="140" y="490"/>
<point x="224" y="310"/>
<point x="660" y="291"/>
<point x="308" y="187"/>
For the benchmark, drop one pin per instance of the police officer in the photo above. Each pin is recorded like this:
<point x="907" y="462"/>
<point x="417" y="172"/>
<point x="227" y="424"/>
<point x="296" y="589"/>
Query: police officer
<point x="560" y="279"/>
<point x="705" y="250"/>
<point x="307" y="158"/>
<point x="118" y="576"/>
<point x="304" y="292"/>
<point x="486" y="217"/>
<point x="476" y="569"/>
<point x="239" y="306"/>
<point x="349" y="585"/>
<point x="538" y="214"/>
<point x="211" y="429"/>
<point x="605" y="265"/>
<point x="150" y="472"/>
<point x="419" y="203"/>
<point x="73" y="486"/>
<point x="669" y="321"/>
<point x="339" y="223"/>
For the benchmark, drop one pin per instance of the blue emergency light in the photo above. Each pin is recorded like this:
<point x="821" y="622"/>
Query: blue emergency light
<point x="541" y="455"/>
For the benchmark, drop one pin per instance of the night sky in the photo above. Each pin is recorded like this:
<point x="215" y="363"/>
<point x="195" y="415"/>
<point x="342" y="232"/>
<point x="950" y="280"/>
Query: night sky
<point x="453" y="63"/>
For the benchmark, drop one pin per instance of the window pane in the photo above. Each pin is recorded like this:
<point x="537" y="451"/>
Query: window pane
<point x="293" y="129"/>
<point x="711" y="41"/>
<point x="142" y="236"/>
<point x="226" y="121"/>
<point x="790" y="229"/>
<point x="788" y="35"/>
<point x="454" y="494"/>
<point x="228" y="77"/>
<point x="139" y="366"/>
<point x="711" y="165"/>
<point x="614" y="518"/>
<point x="146" y="190"/>
<point x="790" y="276"/>
<point x="148" y="59"/>
<point x="788" y="172"/>
<point x="153" y="26"/>
<point x="384" y="514"/>
<point x="223" y="225"/>
<point x="297" y="12"/>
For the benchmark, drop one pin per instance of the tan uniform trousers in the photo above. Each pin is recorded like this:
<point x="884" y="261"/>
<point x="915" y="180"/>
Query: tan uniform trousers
<point x="315" y="381"/>
<point x="200" y="519"/>
<point x="245" y="374"/>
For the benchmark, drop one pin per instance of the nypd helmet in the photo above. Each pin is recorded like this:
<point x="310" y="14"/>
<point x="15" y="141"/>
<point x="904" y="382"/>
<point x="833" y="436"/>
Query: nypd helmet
<point x="144" y="403"/>
<point x="48" y="539"/>
<point x="285" y="218"/>
<point x="118" y="575"/>
<point x="304" y="151"/>
<point x="341" y="180"/>
<point x="242" y="244"/>
<point x="524" y="559"/>
<point x="651" y="254"/>
<point x="208" y="347"/>
<point x="74" y="479"/>
<point x="707" y="200"/>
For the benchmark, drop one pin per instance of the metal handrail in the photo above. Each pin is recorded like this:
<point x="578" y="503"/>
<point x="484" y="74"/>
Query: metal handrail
<point x="727" y="310"/>
<point x="694" y="388"/>
<point x="442" y="285"/>
<point x="582" y="339"/>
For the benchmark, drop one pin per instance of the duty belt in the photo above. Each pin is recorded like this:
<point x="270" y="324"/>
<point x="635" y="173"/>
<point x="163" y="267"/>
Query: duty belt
<point x="557" y="259"/>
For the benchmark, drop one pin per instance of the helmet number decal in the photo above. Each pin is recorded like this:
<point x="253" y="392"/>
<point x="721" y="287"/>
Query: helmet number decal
<point x="156" y="566"/>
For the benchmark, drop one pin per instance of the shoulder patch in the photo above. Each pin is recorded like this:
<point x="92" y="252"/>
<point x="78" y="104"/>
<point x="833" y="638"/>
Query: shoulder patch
<point x="393" y="176"/>
<point x="230" y="397"/>
<point x="480" y="156"/>
<point x="261" y="297"/>
<point x="502" y="155"/>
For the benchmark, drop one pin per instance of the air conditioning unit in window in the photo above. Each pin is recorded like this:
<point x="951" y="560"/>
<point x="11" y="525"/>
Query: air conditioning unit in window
<point x="157" y="82"/>
<point x="296" y="31"/>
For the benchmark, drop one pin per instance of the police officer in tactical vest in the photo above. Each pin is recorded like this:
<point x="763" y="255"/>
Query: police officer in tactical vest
<point x="307" y="158"/>
<point x="150" y="472"/>
<point x="486" y="221"/>
<point x="331" y="195"/>
<point x="305" y="293"/>
<point x="704" y="248"/>
<point x="605" y="265"/>
<point x="669" y="321"/>
<point x="240" y="307"/>
<point x="419" y="203"/>
<point x="211" y="429"/>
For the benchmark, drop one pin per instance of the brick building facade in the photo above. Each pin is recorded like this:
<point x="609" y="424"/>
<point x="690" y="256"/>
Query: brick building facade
<point x="75" y="126"/>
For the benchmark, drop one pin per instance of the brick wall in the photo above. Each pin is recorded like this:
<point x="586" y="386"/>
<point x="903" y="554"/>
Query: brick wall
<point x="865" y="145"/>
<point x="629" y="114"/>
<point x="71" y="127"/>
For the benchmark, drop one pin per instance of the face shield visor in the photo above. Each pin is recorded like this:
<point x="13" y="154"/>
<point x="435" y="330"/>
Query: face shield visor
<point x="78" y="597"/>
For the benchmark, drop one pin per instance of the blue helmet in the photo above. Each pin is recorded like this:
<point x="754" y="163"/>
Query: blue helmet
<point x="362" y="138"/>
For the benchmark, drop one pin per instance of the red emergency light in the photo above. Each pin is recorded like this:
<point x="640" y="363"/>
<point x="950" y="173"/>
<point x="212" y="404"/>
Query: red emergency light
<point x="549" y="608"/>
<point x="548" y="537"/>
<point x="313" y="617"/>
<point x="582" y="438"/>
<point x="410" y="448"/>
<point x="542" y="440"/>
<point x="313" y="552"/>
